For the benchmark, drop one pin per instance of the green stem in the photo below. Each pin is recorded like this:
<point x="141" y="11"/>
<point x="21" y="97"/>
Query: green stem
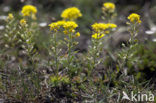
<point x="56" y="53"/>
<point x="133" y="34"/>
<point x="93" y="54"/>
<point x="69" y="49"/>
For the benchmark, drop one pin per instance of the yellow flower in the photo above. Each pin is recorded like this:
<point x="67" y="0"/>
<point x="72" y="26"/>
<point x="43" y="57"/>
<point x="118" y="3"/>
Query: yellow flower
<point x="23" y="22"/>
<point x="134" y="18"/>
<point x="101" y="27"/>
<point x="110" y="7"/>
<point x="71" y="13"/>
<point x="112" y="25"/>
<point x="70" y="26"/>
<point x="61" y="23"/>
<point x="107" y="32"/>
<point x="55" y="26"/>
<point x="77" y="34"/>
<point x="10" y="16"/>
<point x="29" y="10"/>
<point x="98" y="36"/>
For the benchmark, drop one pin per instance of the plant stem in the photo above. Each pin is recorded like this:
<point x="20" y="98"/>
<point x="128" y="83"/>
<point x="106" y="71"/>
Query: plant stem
<point x="69" y="49"/>
<point x="93" y="54"/>
<point x="56" y="53"/>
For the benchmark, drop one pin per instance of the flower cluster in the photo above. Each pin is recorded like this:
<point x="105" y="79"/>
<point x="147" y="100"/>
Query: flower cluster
<point x="109" y="7"/>
<point x="111" y="26"/>
<point x="134" y="18"/>
<point x="77" y="34"/>
<point x="69" y="27"/>
<point x="97" y="27"/>
<point x="29" y="10"/>
<point x="98" y="36"/>
<point x="10" y="16"/>
<point x="101" y="29"/>
<point x="55" y="26"/>
<point x="71" y="13"/>
<point x="134" y="21"/>
<point x="23" y="22"/>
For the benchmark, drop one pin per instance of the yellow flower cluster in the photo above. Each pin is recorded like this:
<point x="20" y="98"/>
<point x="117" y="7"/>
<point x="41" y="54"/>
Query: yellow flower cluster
<point x="77" y="34"/>
<point x="98" y="36"/>
<point x="111" y="26"/>
<point x="134" y="18"/>
<point x="97" y="27"/>
<point x="23" y="22"/>
<point x="109" y="7"/>
<point x="71" y="13"/>
<point x="101" y="29"/>
<point x="29" y="10"/>
<point x="10" y="16"/>
<point x="55" y="26"/>
<point x="68" y="26"/>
